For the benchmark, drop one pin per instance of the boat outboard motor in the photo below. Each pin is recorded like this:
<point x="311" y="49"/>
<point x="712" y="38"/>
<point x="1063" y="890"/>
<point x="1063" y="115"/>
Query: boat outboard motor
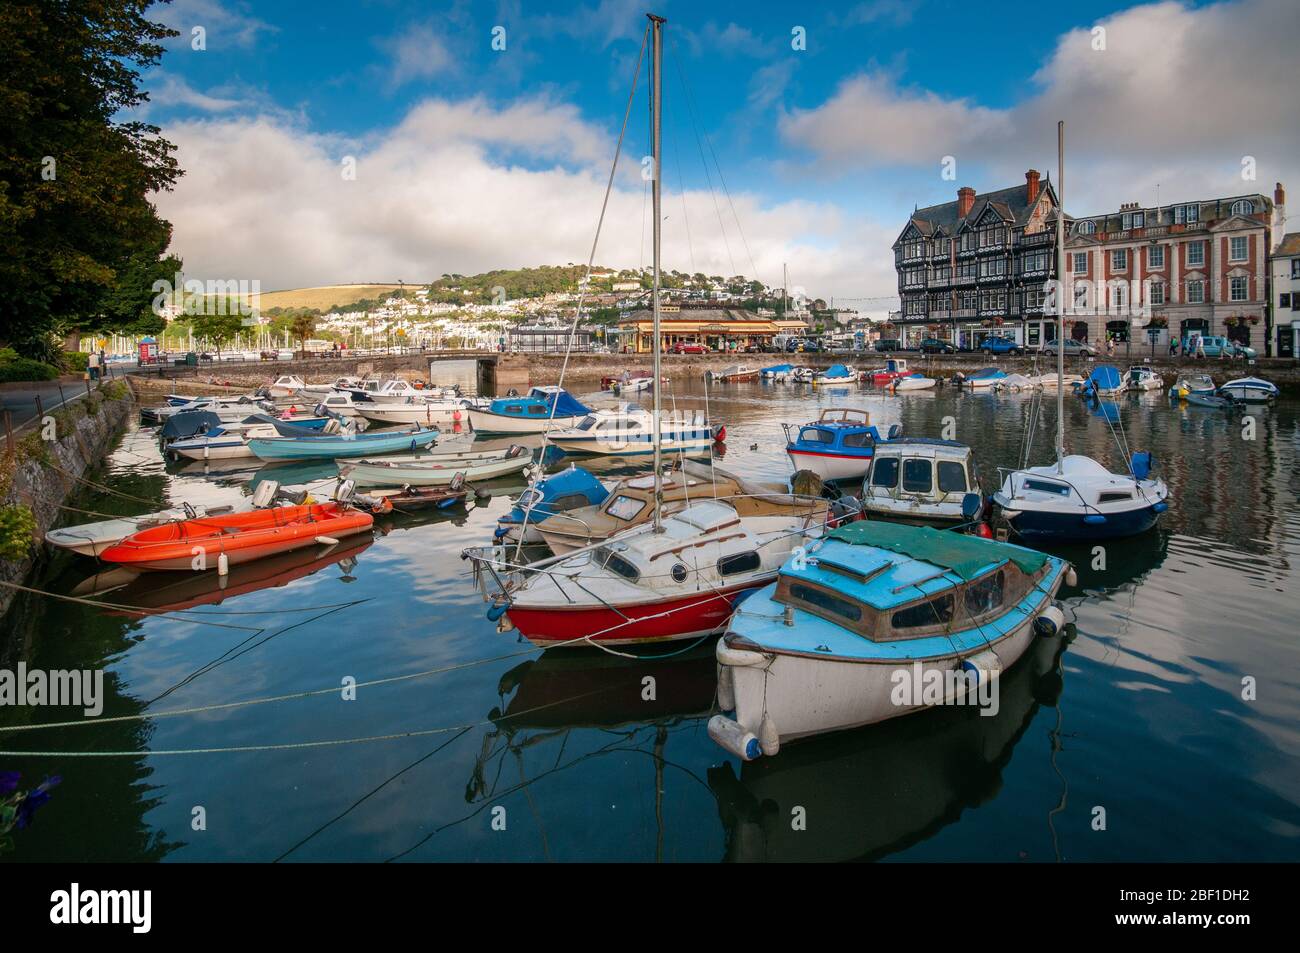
<point x="345" y="490"/>
<point x="265" y="493"/>
<point x="845" y="509"/>
<point x="972" y="504"/>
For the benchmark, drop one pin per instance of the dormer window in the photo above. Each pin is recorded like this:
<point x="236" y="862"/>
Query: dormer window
<point x="1087" y="228"/>
<point x="1243" y="207"/>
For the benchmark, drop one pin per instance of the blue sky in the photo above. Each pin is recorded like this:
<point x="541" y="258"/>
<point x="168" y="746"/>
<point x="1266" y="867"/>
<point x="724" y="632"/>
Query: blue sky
<point x="825" y="150"/>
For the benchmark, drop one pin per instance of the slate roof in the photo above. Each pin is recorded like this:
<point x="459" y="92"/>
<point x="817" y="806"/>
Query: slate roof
<point x="1012" y="204"/>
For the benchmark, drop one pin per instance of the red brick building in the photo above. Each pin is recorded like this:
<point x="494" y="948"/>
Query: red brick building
<point x="1187" y="267"/>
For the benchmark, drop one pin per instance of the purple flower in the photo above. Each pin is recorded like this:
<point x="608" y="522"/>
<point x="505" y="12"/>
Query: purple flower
<point x="35" y="798"/>
<point x="9" y="781"/>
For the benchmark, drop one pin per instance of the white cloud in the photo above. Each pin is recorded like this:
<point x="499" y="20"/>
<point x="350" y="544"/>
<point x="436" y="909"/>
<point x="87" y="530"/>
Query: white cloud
<point x="225" y="23"/>
<point x="168" y="91"/>
<point x="419" y="52"/>
<point x="1178" y="97"/>
<point x="449" y="190"/>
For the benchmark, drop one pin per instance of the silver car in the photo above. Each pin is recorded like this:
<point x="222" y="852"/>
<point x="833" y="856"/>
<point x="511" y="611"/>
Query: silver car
<point x="1072" y="347"/>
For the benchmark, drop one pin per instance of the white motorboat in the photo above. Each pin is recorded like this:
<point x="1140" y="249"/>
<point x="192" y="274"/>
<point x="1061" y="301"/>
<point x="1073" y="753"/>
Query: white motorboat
<point x="913" y="382"/>
<point x="432" y="470"/>
<point x="446" y="414"/>
<point x="1141" y="378"/>
<point x="1017" y="382"/>
<point x="920" y="480"/>
<point x="1202" y="384"/>
<point x="544" y="409"/>
<point x="1250" y="390"/>
<point x="630" y="430"/>
<point x="286" y="385"/>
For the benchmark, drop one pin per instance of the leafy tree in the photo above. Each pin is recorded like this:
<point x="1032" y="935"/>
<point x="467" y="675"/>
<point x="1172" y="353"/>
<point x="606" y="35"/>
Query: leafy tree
<point x="76" y="227"/>
<point x="218" y="328"/>
<point x="302" y="328"/>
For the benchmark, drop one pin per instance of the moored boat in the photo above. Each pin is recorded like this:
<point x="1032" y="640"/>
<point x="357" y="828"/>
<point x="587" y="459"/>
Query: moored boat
<point x="340" y="445"/>
<point x="915" y="381"/>
<point x="894" y="368"/>
<point x="630" y="430"/>
<point x="558" y="493"/>
<point x="920" y="480"/>
<point x="985" y="377"/>
<point x="544" y="409"/>
<point x="203" y="542"/>
<point x="876" y="621"/>
<point x="433" y="471"/>
<point x="838" y="445"/>
<point x="1140" y="378"/>
<point x="836" y="375"/>
<point x="734" y="374"/>
<point x="1250" y="390"/>
<point x="645" y="586"/>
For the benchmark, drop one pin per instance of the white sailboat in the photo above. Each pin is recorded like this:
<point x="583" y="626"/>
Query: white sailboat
<point x="1076" y="497"/>
<point x="675" y="577"/>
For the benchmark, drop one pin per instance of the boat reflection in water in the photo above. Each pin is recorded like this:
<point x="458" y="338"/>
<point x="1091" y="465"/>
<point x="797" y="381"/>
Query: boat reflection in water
<point x="585" y="688"/>
<point x="547" y="697"/>
<point x="873" y="791"/>
<point x="173" y="592"/>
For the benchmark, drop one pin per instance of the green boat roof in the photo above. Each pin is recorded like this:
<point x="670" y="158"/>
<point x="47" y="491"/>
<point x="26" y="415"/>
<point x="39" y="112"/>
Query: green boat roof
<point x="964" y="555"/>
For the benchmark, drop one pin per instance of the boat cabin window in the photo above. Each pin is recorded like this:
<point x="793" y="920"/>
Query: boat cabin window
<point x="952" y="477"/>
<point x="1044" y="486"/>
<point x="860" y="439"/>
<point x="738" y="562"/>
<point x="985" y="595"/>
<point x="587" y="423"/>
<point x="826" y="602"/>
<point x="816" y="435"/>
<point x="934" y="612"/>
<point x="918" y="475"/>
<point x="540" y="411"/>
<point x="529" y="497"/>
<point x="570" y="501"/>
<point x="884" y="472"/>
<point x="515" y="409"/>
<point x="617" y="564"/>
<point x="1114" y="496"/>
<point x="625" y="507"/>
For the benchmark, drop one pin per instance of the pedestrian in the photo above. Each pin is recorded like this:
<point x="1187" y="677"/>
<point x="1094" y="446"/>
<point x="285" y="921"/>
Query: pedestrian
<point x="1173" y="347"/>
<point x="92" y="366"/>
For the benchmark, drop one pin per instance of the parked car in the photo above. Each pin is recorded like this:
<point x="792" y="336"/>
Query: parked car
<point x="1000" y="345"/>
<point x="1214" y="346"/>
<point x="937" y="346"/>
<point x="809" y="346"/>
<point x="885" y="345"/>
<point x="1072" y="348"/>
<point x="689" y="347"/>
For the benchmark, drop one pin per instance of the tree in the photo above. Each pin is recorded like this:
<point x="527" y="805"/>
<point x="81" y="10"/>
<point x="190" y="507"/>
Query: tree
<point x="76" y="227"/>
<point x="218" y="328"/>
<point x="303" y="327"/>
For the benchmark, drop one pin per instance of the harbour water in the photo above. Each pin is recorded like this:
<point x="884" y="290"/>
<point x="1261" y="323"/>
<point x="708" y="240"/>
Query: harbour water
<point x="1139" y="712"/>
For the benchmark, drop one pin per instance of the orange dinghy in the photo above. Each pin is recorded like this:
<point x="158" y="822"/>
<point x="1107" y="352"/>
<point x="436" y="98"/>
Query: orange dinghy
<point x="243" y="537"/>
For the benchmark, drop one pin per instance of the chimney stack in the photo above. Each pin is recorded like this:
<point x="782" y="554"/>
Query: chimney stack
<point x="1031" y="186"/>
<point x="965" y="201"/>
<point x="1279" y="196"/>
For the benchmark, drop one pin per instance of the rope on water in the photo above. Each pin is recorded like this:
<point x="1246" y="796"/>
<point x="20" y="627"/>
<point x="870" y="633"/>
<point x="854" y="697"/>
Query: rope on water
<point x="300" y="745"/>
<point x="225" y="706"/>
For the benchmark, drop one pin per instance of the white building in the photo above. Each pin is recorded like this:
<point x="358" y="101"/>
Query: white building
<point x="1285" y="282"/>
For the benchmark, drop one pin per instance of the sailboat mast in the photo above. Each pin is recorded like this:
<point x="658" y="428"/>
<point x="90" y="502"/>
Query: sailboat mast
<point x="656" y="122"/>
<point x="1060" y="297"/>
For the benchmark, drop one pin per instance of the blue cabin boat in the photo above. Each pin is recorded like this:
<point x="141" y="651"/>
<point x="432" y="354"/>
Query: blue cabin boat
<point x="777" y="372"/>
<point x="875" y="621"/>
<point x="838" y="445"/>
<point x="558" y="493"/>
<point x="545" y="408"/>
<point x="836" y="374"/>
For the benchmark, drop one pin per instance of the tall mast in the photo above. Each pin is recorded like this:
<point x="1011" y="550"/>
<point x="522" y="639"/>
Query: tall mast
<point x="1060" y="297"/>
<point x="656" y="122"/>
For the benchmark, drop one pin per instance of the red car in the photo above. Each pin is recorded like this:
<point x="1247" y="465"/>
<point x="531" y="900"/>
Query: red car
<point x="689" y="347"/>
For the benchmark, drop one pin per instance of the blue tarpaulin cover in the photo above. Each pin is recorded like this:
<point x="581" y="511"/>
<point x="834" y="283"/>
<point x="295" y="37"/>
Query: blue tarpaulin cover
<point x="567" y="406"/>
<point x="838" y="370"/>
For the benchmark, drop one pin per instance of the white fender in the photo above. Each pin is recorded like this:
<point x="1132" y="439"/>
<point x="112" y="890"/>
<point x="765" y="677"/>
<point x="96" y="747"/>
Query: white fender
<point x="734" y="737"/>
